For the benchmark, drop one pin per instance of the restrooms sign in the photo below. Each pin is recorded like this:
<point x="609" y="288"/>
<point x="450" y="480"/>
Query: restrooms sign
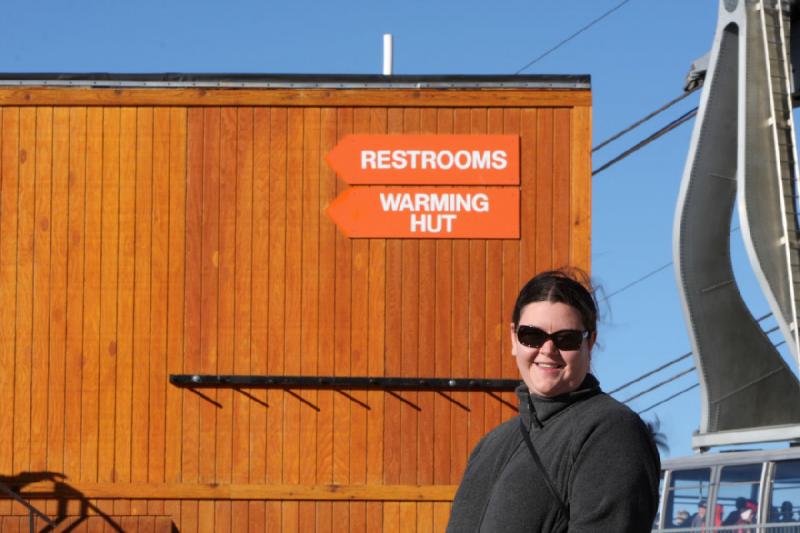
<point x="485" y="206"/>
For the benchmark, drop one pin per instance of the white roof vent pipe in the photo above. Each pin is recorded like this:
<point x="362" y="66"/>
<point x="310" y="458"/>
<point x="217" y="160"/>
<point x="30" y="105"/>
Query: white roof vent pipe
<point x="387" y="54"/>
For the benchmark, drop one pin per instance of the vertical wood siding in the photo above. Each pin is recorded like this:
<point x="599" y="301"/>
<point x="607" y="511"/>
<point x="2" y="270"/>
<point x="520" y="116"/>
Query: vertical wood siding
<point x="137" y="242"/>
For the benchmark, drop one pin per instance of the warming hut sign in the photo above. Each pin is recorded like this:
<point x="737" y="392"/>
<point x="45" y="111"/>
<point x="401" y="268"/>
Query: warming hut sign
<point x="443" y="186"/>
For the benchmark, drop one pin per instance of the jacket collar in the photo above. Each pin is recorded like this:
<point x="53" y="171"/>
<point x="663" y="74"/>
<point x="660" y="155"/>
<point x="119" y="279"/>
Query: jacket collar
<point x="537" y="410"/>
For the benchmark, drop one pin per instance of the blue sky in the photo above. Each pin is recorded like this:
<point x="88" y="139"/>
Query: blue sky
<point x="638" y="58"/>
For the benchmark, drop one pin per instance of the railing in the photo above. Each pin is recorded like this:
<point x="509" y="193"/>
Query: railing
<point x="774" y="41"/>
<point x="767" y="527"/>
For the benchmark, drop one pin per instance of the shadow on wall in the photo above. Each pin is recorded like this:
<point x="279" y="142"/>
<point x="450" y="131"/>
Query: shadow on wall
<point x="29" y="488"/>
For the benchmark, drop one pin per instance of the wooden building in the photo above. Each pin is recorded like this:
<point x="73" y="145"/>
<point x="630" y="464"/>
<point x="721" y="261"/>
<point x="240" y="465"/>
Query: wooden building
<point x="156" y="225"/>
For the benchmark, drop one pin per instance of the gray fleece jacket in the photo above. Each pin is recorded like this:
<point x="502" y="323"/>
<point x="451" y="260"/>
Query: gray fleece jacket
<point x="598" y="453"/>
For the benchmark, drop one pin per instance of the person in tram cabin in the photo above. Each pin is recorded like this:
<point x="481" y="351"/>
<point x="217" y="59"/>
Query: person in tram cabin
<point x="574" y="459"/>
<point x="699" y="519"/>
<point x="747" y="515"/>
<point x="787" y="512"/>
<point x="786" y="515"/>
<point x="733" y="516"/>
<point x="682" y="519"/>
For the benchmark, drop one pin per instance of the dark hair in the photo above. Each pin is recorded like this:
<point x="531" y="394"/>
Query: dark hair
<point x="741" y="502"/>
<point x="570" y="286"/>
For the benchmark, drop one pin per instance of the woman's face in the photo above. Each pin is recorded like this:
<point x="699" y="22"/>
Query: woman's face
<point x="548" y="371"/>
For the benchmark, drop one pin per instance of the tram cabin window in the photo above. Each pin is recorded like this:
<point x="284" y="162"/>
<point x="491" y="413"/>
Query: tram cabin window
<point x="738" y="494"/>
<point x="657" y="519"/>
<point x="785" y="498"/>
<point x="687" y="488"/>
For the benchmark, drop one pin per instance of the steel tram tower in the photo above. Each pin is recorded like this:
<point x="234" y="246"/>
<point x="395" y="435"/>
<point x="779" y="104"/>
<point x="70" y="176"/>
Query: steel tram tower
<point x="743" y="150"/>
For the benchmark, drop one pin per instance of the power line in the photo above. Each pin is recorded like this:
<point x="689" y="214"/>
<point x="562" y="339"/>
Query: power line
<point x="636" y="281"/>
<point x="666" y="129"/>
<point x="650" y="373"/>
<point x="676" y="376"/>
<point x="567" y="39"/>
<point x="642" y="120"/>
<point x="677" y="360"/>
<point x="665" y="400"/>
<point x="670" y="380"/>
<point x="659" y="384"/>
<point x="648" y="275"/>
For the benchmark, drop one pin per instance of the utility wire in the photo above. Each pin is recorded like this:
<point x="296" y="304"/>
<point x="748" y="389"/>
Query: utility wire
<point x="650" y="373"/>
<point x="645" y="277"/>
<point x="567" y="39"/>
<point x="659" y="384"/>
<point x="676" y="360"/>
<point x="665" y="400"/>
<point x="636" y="281"/>
<point x="643" y="120"/>
<point x="638" y="146"/>
<point x="687" y="389"/>
<point x="678" y="376"/>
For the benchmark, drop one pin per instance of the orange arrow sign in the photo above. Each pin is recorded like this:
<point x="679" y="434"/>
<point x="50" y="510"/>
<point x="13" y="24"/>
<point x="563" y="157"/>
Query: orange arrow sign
<point x="427" y="159"/>
<point x="427" y="212"/>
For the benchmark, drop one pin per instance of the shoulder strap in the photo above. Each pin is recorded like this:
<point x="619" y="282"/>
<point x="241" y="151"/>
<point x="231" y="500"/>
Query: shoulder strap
<point x="547" y="481"/>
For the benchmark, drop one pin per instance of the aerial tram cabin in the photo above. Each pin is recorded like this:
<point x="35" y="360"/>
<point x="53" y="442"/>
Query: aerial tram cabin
<point x="767" y="479"/>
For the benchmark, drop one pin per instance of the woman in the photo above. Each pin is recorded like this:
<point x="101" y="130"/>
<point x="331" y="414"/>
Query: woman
<point x="574" y="459"/>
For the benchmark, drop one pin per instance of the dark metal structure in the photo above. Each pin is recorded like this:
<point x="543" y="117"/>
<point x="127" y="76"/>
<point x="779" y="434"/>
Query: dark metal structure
<point x="342" y="382"/>
<point x="742" y="150"/>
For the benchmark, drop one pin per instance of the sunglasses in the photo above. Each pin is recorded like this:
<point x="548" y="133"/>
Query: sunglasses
<point x="566" y="339"/>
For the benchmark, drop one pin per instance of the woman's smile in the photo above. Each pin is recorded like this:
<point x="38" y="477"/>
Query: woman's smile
<point x="548" y="366"/>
